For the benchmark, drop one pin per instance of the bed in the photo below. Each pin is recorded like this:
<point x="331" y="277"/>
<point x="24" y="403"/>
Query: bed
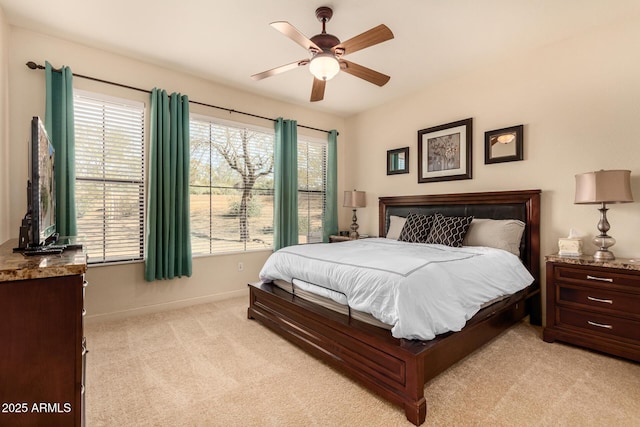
<point x="397" y="368"/>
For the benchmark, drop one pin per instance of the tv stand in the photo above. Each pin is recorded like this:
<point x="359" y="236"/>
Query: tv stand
<point x="23" y="240"/>
<point x="55" y="247"/>
<point x="43" y="250"/>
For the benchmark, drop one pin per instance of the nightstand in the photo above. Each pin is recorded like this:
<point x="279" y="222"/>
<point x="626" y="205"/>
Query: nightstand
<point x="594" y="304"/>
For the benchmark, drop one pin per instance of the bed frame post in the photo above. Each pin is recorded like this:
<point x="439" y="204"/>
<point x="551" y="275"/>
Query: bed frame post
<point x="415" y="408"/>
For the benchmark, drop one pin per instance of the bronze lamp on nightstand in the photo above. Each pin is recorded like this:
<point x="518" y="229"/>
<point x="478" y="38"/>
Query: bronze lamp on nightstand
<point x="354" y="199"/>
<point x="602" y="187"/>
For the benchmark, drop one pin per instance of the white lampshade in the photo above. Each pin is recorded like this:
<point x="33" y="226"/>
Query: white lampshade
<point x="324" y="66"/>
<point x="612" y="186"/>
<point x="354" y="199"/>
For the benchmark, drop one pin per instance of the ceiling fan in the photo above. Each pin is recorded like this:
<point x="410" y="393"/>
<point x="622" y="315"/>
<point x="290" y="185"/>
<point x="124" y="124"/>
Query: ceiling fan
<point x="327" y="53"/>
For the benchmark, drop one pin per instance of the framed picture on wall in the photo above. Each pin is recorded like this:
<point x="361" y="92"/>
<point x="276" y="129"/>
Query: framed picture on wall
<point x="398" y="161"/>
<point x="444" y="152"/>
<point x="503" y="145"/>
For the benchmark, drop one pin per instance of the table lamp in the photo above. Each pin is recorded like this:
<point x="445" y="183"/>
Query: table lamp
<point x="602" y="187"/>
<point x="354" y="199"/>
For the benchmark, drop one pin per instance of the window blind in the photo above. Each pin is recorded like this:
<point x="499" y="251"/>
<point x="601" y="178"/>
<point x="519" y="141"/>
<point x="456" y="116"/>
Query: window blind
<point x="312" y="170"/>
<point x="231" y="187"/>
<point x="110" y="184"/>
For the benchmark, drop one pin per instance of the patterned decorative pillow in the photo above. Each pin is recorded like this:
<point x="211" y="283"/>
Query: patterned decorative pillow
<point x="448" y="230"/>
<point x="416" y="228"/>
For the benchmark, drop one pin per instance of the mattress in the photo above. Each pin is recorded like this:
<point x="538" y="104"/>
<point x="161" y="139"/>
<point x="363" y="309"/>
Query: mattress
<point x="312" y="293"/>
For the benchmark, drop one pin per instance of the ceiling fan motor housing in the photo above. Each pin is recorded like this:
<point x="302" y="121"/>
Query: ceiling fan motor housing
<point x="325" y="41"/>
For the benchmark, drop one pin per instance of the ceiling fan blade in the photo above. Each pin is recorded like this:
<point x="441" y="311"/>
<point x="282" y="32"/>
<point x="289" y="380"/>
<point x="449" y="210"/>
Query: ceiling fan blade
<point x="280" y="69"/>
<point x="365" y="73"/>
<point x="376" y="35"/>
<point x="317" y="90"/>
<point x="292" y="32"/>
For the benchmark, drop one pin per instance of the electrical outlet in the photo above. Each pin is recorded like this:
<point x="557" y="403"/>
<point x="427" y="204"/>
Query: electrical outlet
<point x="240" y="266"/>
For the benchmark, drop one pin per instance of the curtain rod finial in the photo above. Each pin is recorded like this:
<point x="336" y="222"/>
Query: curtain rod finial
<point x="33" y="65"/>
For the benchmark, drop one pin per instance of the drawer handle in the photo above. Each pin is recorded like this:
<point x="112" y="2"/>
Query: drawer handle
<point x="85" y="284"/>
<point x="599" y="325"/>
<point x="601" y="279"/>
<point x="606" y="301"/>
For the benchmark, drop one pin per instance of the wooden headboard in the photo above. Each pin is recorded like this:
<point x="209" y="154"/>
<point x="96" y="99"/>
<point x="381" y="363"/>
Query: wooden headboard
<point x="523" y="205"/>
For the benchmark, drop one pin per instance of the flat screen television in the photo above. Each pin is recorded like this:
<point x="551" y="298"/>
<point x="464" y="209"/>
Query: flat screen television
<point x="43" y="186"/>
<point x="39" y="224"/>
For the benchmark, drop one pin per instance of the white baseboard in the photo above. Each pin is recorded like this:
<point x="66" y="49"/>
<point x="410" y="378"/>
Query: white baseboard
<point x="171" y="305"/>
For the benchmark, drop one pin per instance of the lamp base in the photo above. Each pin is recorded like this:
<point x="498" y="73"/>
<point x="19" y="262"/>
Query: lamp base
<point x="603" y="255"/>
<point x="603" y="242"/>
<point x="354" y="227"/>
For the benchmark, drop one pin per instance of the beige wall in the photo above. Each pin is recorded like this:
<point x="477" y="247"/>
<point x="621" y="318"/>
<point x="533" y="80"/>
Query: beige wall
<point x="579" y="101"/>
<point x="4" y="129"/>
<point x="121" y="289"/>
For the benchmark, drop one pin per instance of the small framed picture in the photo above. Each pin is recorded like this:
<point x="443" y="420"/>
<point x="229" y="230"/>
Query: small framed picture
<point x="444" y="152"/>
<point x="398" y="161"/>
<point x="503" y="145"/>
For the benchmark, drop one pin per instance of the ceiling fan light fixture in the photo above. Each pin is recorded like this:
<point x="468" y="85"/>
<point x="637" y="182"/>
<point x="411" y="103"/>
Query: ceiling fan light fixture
<point x="324" y="66"/>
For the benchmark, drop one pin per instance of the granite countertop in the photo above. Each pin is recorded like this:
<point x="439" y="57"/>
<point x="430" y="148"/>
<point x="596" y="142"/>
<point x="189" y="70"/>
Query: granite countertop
<point x="621" y="263"/>
<point x="16" y="266"/>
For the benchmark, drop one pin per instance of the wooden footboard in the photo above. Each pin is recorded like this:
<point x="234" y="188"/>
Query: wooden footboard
<point x="396" y="369"/>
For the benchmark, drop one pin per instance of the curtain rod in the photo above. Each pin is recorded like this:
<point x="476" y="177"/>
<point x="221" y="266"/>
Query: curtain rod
<point x="32" y="65"/>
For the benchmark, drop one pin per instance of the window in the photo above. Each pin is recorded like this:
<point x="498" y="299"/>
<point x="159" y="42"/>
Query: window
<point x="110" y="176"/>
<point x="231" y="186"/>
<point x="312" y="171"/>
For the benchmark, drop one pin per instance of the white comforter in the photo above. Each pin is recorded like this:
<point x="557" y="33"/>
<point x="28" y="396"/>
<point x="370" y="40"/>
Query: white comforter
<point x="421" y="290"/>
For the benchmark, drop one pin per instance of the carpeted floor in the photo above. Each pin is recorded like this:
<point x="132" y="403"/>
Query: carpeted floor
<point x="208" y="365"/>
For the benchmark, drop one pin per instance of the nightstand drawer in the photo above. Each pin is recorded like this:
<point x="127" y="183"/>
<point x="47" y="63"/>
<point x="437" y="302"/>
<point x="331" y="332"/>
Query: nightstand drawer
<point x="590" y="276"/>
<point x="598" y="323"/>
<point x="600" y="298"/>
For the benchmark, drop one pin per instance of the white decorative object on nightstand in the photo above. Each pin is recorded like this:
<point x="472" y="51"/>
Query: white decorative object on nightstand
<point x="569" y="247"/>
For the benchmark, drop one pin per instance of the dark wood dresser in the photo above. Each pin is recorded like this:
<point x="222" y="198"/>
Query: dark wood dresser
<point x="42" y="346"/>
<point x="594" y="304"/>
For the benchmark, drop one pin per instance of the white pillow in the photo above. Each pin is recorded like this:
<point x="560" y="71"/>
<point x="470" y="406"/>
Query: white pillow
<point x="396" y="223"/>
<point x="495" y="233"/>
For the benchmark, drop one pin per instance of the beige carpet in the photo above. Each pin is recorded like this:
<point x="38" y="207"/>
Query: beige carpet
<point x="208" y="365"/>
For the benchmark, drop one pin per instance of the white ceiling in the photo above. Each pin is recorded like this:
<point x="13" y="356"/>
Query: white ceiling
<point x="227" y="41"/>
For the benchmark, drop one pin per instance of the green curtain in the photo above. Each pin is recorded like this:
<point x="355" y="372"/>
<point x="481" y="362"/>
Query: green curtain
<point x="285" y="217"/>
<point x="58" y="120"/>
<point x="330" y="219"/>
<point x="168" y="232"/>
